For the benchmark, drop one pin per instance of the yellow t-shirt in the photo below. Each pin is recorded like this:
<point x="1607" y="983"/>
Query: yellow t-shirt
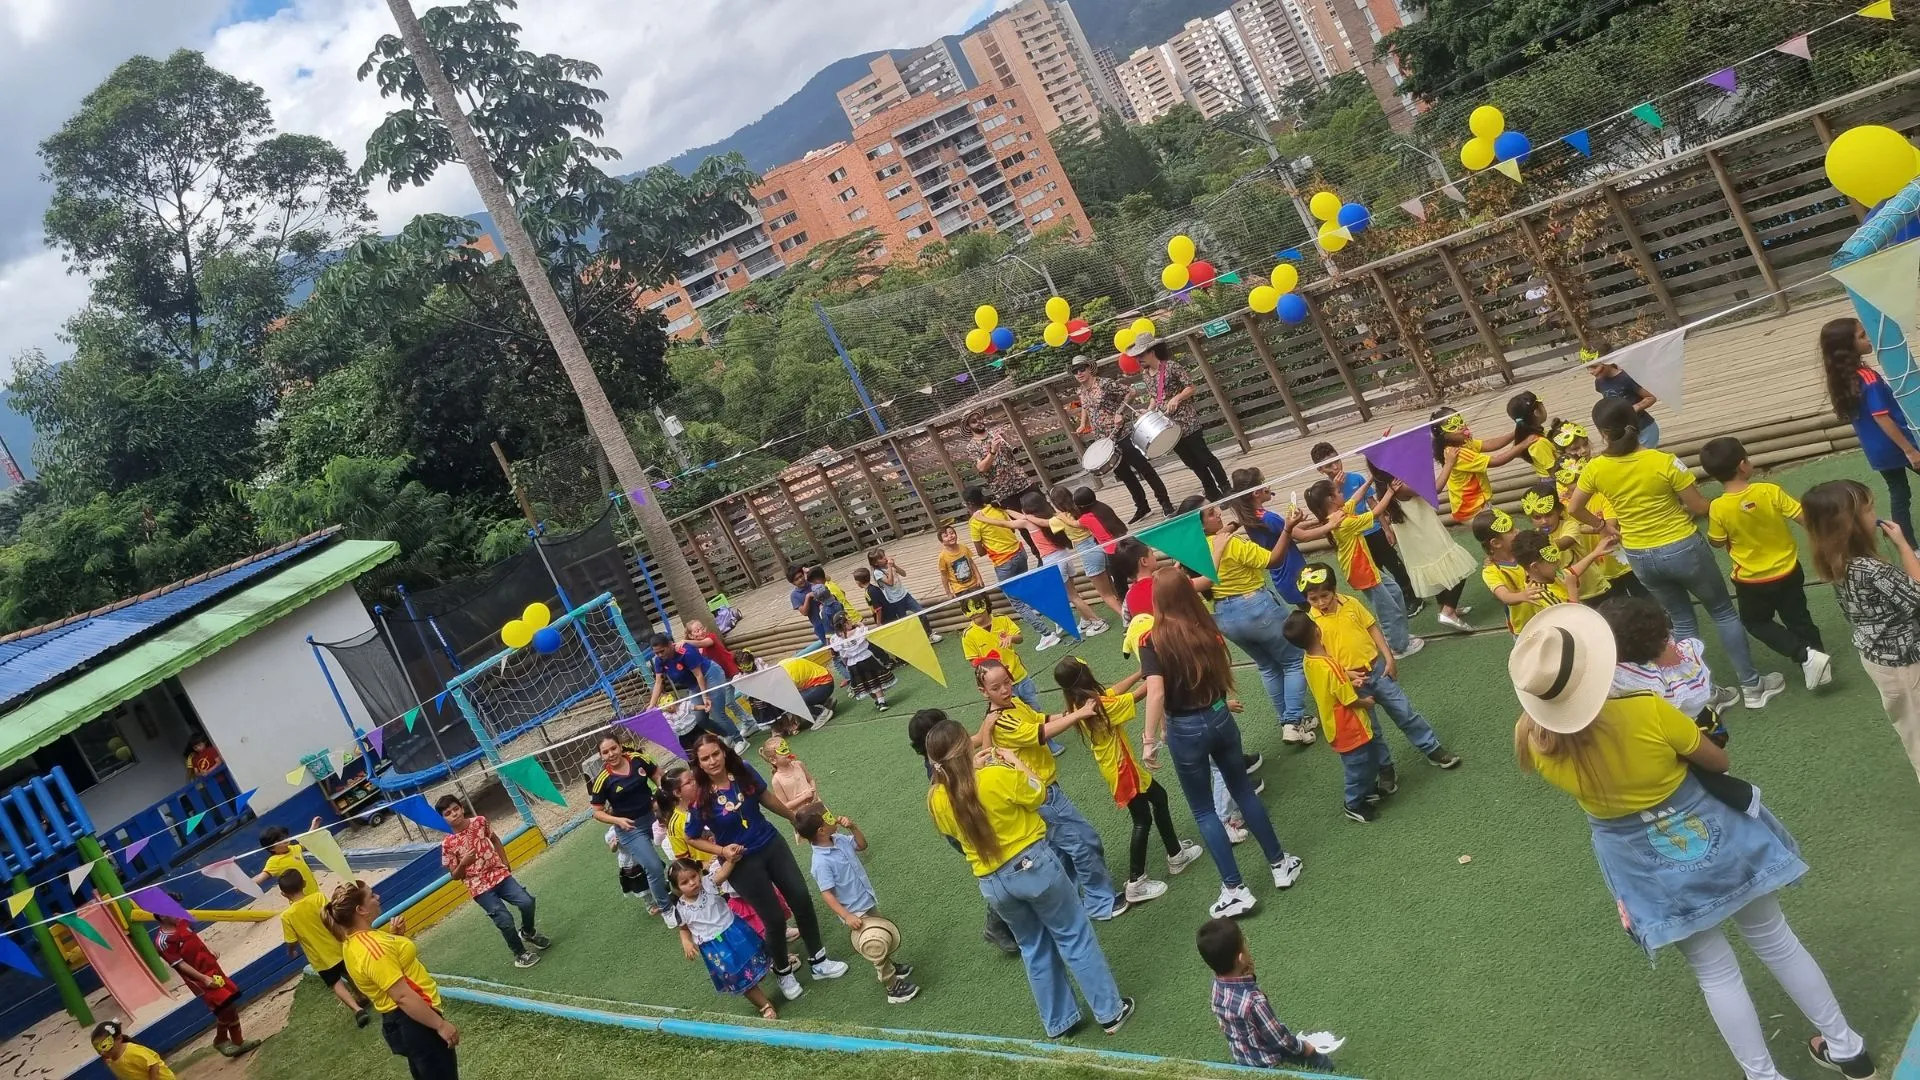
<point x="1540" y="456"/>
<point x="1240" y="567"/>
<point x="677" y="838"/>
<point x="136" y="1062"/>
<point x="377" y="960"/>
<point x="294" y="859"/>
<point x="1070" y="526"/>
<point x="1112" y="751"/>
<point x="980" y="643"/>
<point x="1636" y="752"/>
<point x="1346" y="725"/>
<point x="1012" y="803"/>
<point x="1350" y="548"/>
<point x="1467" y="484"/>
<point x="1000" y="540"/>
<point x="958" y="572"/>
<point x="1643" y="489"/>
<point x="1345" y="634"/>
<point x="805" y="673"/>
<point x="1595" y="580"/>
<point x="303" y="924"/>
<point x="1510" y="576"/>
<point x="1754" y="520"/>
<point x="1019" y="730"/>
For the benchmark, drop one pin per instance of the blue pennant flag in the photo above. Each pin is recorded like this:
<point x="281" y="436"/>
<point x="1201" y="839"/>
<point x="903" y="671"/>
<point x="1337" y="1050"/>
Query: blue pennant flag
<point x="1582" y="142"/>
<point x="1290" y="253"/>
<point x="1044" y="590"/>
<point x="416" y="809"/>
<point x="240" y="804"/>
<point x="15" y="957"/>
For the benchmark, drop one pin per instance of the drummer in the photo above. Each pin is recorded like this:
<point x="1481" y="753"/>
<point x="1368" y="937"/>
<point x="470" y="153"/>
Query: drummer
<point x="1004" y="478"/>
<point x="1107" y="417"/>
<point x="1172" y="390"/>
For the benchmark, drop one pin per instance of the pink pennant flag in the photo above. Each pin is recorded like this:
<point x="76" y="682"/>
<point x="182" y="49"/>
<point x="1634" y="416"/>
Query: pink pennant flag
<point x="1408" y="457"/>
<point x="1796" y="46"/>
<point x="132" y="851"/>
<point x="1453" y="192"/>
<point x="1726" y="79"/>
<point x="1416" y="208"/>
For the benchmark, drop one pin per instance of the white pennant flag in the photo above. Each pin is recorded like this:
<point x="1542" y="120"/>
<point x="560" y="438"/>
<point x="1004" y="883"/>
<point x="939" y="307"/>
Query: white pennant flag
<point x="229" y="871"/>
<point x="1889" y="281"/>
<point x="1416" y="208"/>
<point x="76" y="875"/>
<point x="775" y="687"/>
<point x="1659" y="364"/>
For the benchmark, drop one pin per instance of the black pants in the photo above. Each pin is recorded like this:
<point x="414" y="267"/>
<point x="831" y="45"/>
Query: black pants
<point x="1149" y="809"/>
<point x="1387" y="557"/>
<point x="1624" y="585"/>
<point x="428" y="1055"/>
<point x="1134" y="468"/>
<point x="1193" y="450"/>
<point x="1450" y="597"/>
<point x="1760" y="601"/>
<point x="762" y="879"/>
<point x="1900" y="498"/>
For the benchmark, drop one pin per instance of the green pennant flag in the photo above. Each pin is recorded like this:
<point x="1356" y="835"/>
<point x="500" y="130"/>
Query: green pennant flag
<point x="1184" y="540"/>
<point x="532" y="779"/>
<point x="83" y="928"/>
<point x="1649" y="115"/>
<point x="1231" y="277"/>
<point x="413" y="715"/>
<point x="193" y="823"/>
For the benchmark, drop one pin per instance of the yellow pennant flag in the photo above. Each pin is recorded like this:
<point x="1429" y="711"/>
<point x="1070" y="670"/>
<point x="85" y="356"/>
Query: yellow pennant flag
<point x="907" y="639"/>
<point x="297" y="777"/>
<point x="1509" y="168"/>
<point x="1879" y="9"/>
<point x="321" y="845"/>
<point x="18" y="901"/>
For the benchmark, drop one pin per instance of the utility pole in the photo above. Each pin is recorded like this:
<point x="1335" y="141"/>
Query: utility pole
<point x="602" y="421"/>
<point x="1263" y="135"/>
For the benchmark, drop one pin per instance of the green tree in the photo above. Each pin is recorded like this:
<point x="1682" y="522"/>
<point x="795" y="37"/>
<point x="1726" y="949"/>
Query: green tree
<point x="1461" y="45"/>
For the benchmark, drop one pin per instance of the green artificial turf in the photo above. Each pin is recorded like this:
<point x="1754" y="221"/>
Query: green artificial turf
<point x="1510" y="965"/>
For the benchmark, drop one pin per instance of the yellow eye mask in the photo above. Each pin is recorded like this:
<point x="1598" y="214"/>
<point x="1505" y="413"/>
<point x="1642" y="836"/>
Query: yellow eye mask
<point x="1553" y="553"/>
<point x="1568" y="435"/>
<point x="1502" y="522"/>
<point x="1454" y="423"/>
<point x="1312" y="576"/>
<point x="1538" y="504"/>
<point x="1568" y="473"/>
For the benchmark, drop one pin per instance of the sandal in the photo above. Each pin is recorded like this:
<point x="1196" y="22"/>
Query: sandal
<point x="768" y="1012"/>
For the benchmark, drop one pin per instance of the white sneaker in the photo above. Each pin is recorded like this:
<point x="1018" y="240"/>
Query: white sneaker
<point x="1724" y="697"/>
<point x="742" y="747"/>
<point x="1291" y="733"/>
<point x="1094" y="628"/>
<point x="1235" y="834"/>
<point x="1772" y="685"/>
<point x="828" y="969"/>
<point x="1456" y="621"/>
<point x="790" y="987"/>
<point x="1047" y="641"/>
<point x="1414" y="645"/>
<point x="1818" y="669"/>
<point x="820" y="718"/>
<point x="1464" y="610"/>
<point x="1233" y="902"/>
<point x="1189" y="852"/>
<point x="1140" y="890"/>
<point x="1259" y="785"/>
<point x="1286" y="872"/>
<point x="935" y="638"/>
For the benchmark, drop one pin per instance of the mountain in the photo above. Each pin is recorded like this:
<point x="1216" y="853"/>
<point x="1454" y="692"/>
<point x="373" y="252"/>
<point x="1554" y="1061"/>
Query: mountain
<point x="1124" y="25"/>
<point x="808" y="120"/>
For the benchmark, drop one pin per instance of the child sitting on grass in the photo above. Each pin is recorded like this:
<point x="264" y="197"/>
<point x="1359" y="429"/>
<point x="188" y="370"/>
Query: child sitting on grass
<point x="844" y="885"/>
<point x="1255" y="1036"/>
<point x="735" y="956"/>
<point x="127" y="1060"/>
<point x="303" y="925"/>
<point x="1345" y="719"/>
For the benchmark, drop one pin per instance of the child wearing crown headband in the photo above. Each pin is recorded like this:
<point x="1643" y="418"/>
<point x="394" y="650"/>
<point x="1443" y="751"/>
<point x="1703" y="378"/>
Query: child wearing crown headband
<point x="1347" y="523"/>
<point x="1505" y="579"/>
<point x="1556" y="572"/>
<point x="127" y="1060"/>
<point x="993" y="637"/>
<point x="1606" y="576"/>
<point x="1530" y="428"/>
<point x="1464" y="461"/>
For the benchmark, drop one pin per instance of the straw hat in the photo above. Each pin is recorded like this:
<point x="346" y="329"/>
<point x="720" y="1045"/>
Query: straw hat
<point x="877" y="938"/>
<point x="1142" y="344"/>
<point x="1562" y="667"/>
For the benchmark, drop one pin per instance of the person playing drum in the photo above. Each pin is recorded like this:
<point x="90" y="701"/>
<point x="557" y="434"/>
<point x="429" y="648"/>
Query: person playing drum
<point x="1105" y="406"/>
<point x="1173" y="389"/>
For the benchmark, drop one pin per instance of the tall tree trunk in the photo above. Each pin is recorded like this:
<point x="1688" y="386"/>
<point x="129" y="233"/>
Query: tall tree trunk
<point x="668" y="559"/>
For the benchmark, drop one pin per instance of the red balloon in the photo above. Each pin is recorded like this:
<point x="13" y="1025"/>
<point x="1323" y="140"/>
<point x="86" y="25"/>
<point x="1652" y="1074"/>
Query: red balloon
<point x="1079" y="332"/>
<point x="991" y="349"/>
<point x="1200" y="274"/>
<point x="1129" y="364"/>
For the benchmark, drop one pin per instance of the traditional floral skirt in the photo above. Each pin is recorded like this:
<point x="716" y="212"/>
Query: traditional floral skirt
<point x="737" y="959"/>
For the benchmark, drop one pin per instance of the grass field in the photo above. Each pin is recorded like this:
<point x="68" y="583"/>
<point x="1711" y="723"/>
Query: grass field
<point x="1512" y="965"/>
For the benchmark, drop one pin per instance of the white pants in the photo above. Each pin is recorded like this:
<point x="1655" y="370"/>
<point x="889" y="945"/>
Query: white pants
<point x="1222" y="804"/>
<point x="1772" y="940"/>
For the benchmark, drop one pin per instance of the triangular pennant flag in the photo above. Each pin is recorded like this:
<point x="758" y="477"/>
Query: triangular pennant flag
<point x="1416" y="208"/>
<point x="1509" y="168"/>
<point x="1453" y="192"/>
<point x="1879" y="9"/>
<point x="321" y="845"/>
<point x="77" y="875"/>
<point x="907" y="639"/>
<point x="774" y="686"/>
<point x="927" y="389"/>
<point x="412" y="717"/>
<point x="132" y="851"/>
<point x="16" y="958"/>
<point x="377" y="738"/>
<point x="192" y="823"/>
<point x="229" y="871"/>
<point x="653" y="726"/>
<point x="1343" y="232"/>
<point x="297" y="777"/>
<point x="240" y="804"/>
<point x="1289" y="253"/>
<point x="1044" y="589"/>
<point x="1659" y="364"/>
<point x="1184" y="540"/>
<point x="81" y="928"/>
<point x="1650" y="116"/>
<point x="532" y="779"/>
<point x="1231" y="277"/>
<point x="18" y="901"/>
<point x="440" y="700"/>
<point x="1886" y="282"/>
<point x="416" y="809"/>
<point x="1581" y="141"/>
<point x="1796" y="46"/>
<point x="1726" y="79"/>
<point x="1408" y="457"/>
<point x="154" y="901"/>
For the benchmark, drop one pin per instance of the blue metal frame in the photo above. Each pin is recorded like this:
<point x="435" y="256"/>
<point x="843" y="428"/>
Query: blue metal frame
<point x="1883" y="230"/>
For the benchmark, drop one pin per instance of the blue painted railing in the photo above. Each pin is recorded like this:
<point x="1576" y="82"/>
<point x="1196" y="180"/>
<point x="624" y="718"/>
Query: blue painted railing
<point x="213" y="794"/>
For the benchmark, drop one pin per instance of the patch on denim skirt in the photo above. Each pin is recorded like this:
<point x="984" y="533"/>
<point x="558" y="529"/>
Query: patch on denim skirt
<point x="1681" y="838"/>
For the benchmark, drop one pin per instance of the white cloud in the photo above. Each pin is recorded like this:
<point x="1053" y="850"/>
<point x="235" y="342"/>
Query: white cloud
<point x="36" y="297"/>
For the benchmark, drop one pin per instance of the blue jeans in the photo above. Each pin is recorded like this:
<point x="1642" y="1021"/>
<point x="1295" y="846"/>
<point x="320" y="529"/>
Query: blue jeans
<point x="1032" y="892"/>
<point x="1676" y="573"/>
<point x="637" y="844"/>
<point x="1362" y="767"/>
<point x="1390" y="611"/>
<point x="719" y="701"/>
<point x="1253" y="621"/>
<point x="1073" y="838"/>
<point x="1029" y="693"/>
<point x="1393" y="701"/>
<point x="1196" y="740"/>
<point x="494" y="902"/>
<point x="1649" y="432"/>
<point x="1012" y="568"/>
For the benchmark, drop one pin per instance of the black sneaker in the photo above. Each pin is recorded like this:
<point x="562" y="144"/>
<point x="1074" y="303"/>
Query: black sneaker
<point x="1361" y="813"/>
<point x="1254" y="761"/>
<point x="363" y="1018"/>
<point x="538" y="941"/>
<point x="1859" y="1067"/>
<point x="1419" y="605"/>
<point x="1388" y="781"/>
<point x="900" y="991"/>
<point x="1444" y="757"/>
<point x="1138" y="515"/>
<point x="1126" y="1011"/>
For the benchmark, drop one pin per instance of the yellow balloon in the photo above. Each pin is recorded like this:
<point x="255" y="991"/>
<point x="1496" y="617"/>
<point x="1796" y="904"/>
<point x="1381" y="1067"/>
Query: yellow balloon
<point x="1487" y="123"/>
<point x="1122" y="338"/>
<point x="1477" y="154"/>
<point x="516" y="634"/>
<point x="1143" y="326"/>
<point x="1325" y="205"/>
<point x="1056" y="334"/>
<point x="537" y="615"/>
<point x="1286" y="278"/>
<point x="1174" y="276"/>
<point x="1263" y="298"/>
<point x="1871" y="163"/>
<point x="1333" y="237"/>
<point x="986" y="318"/>
<point x="1058" y="310"/>
<point x="1180" y="249"/>
<point x="978" y="340"/>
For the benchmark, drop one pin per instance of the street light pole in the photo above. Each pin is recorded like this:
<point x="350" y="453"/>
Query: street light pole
<point x="1264" y="137"/>
<point x="1041" y="270"/>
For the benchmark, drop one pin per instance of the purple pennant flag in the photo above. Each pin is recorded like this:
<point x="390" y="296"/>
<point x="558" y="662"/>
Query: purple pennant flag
<point x="132" y="851"/>
<point x="157" y="902"/>
<point x="377" y="739"/>
<point x="1408" y="457"/>
<point x="1726" y="79"/>
<point x="652" y="726"/>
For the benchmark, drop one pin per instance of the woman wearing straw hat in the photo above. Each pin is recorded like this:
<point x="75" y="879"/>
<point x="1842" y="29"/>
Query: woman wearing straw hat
<point x="1678" y="861"/>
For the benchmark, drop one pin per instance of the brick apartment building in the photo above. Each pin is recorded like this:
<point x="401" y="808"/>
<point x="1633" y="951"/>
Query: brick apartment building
<point x="1037" y="49"/>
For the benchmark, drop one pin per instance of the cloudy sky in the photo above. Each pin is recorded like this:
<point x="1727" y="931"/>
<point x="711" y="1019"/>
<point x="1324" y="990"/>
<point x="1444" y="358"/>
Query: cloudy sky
<point x="678" y="75"/>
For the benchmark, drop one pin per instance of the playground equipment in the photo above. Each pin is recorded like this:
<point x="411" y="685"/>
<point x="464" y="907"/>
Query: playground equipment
<point x="1893" y="222"/>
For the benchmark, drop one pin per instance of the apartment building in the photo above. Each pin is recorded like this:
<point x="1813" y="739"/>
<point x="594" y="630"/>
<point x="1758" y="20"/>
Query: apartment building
<point x="893" y="79"/>
<point x="1151" y="83"/>
<point x="1348" y="32"/>
<point x="1109" y="67"/>
<point x="1037" y="50"/>
<point x="1282" y="51"/>
<point x="1217" y="68"/>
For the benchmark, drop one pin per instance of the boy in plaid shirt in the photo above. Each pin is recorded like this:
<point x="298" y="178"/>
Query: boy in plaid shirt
<point x="1255" y="1036"/>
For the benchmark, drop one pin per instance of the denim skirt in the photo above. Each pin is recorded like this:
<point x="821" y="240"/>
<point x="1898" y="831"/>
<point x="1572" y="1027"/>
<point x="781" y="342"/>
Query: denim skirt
<point x="1690" y="863"/>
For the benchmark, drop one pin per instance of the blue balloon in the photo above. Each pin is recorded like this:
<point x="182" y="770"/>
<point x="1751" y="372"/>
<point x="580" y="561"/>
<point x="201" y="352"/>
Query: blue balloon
<point x="546" y="639"/>
<point x="1292" y="308"/>
<point x="1511" y="145"/>
<point x="1354" y="217"/>
<point x="1002" y="338"/>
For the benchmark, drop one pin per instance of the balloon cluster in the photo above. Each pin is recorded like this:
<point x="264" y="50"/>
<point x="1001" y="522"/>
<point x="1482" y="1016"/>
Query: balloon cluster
<point x="1124" y="337"/>
<point x="1183" y="271"/>
<point x="1339" y="222"/>
<point x="1062" y="327"/>
<point x="1871" y="163"/>
<point x="1280" y="297"/>
<point x="531" y="628"/>
<point x="988" y="336"/>
<point x="1491" y="141"/>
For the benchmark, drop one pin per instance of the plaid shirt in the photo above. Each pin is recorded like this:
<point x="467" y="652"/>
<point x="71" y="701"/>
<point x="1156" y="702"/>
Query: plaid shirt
<point x="1255" y="1036"/>
<point x="1165" y="383"/>
<point x="1883" y="604"/>
<point x="1007" y="475"/>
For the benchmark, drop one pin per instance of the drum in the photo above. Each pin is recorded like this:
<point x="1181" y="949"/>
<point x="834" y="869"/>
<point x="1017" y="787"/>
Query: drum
<point x="1101" y="456"/>
<point x="1154" y="434"/>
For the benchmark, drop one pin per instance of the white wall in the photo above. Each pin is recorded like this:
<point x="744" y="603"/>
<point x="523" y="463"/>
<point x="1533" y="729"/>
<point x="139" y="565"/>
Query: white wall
<point x="160" y="767"/>
<point x="265" y="702"/>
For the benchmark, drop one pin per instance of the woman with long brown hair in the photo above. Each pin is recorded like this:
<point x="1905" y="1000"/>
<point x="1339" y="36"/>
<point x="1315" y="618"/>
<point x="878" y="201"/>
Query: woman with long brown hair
<point x="385" y="966"/>
<point x="1861" y="396"/>
<point x="1189" y="677"/>
<point x="988" y="802"/>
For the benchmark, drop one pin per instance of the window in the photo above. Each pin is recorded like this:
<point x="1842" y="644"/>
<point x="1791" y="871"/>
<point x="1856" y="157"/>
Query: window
<point x="878" y="253"/>
<point x="100" y="744"/>
<point x="774" y="199"/>
<point x="1026" y="136"/>
<point x="858" y="215"/>
<point x="836" y="176"/>
<point x="1013" y="159"/>
<point x="908" y="212"/>
<point x="919" y="231"/>
<point x="890" y="171"/>
<point x="784" y="220"/>
<point x="983" y="104"/>
<point x="672" y="301"/>
<point x="899" y="191"/>
<point x="849" y="195"/>
<point x="1030" y="199"/>
<point x="793" y="241"/>
<point x="1044" y="215"/>
<point x="1041" y="171"/>
<point x="993" y="122"/>
<point x="1002" y="142"/>
<point x="880" y="151"/>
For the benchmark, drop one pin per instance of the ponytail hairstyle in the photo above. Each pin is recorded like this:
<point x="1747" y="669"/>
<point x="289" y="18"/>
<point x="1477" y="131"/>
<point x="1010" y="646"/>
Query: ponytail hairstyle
<point x="1034" y="504"/>
<point x="1123" y="566"/>
<point x="950" y="753"/>
<point x="1619" y="421"/>
<point x="1443" y="429"/>
<point x="1524" y="409"/>
<point x="1080" y="685"/>
<point x="678" y="867"/>
<point x="342" y="913"/>
<point x="1841" y="359"/>
<point x="1391" y="512"/>
<point x="1835" y="513"/>
<point x="1061" y="496"/>
<point x="1085" y="502"/>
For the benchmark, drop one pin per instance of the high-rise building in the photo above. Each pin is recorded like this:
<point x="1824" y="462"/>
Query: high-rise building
<point x="1036" y="48"/>
<point x="1110" y="73"/>
<point x="893" y="79"/>
<point x="1348" y="33"/>
<point x="1217" y="68"/>
<point x="1275" y="35"/>
<point x="1150" y="83"/>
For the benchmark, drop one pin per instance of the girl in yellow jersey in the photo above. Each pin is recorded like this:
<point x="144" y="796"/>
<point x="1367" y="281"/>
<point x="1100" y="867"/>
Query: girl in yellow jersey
<point x="1530" y="427"/>
<point x="989" y="803"/>
<point x="1250" y="614"/>
<point x="1464" y="460"/>
<point x="386" y="967"/>
<point x="1609" y="575"/>
<point x="126" y="1059"/>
